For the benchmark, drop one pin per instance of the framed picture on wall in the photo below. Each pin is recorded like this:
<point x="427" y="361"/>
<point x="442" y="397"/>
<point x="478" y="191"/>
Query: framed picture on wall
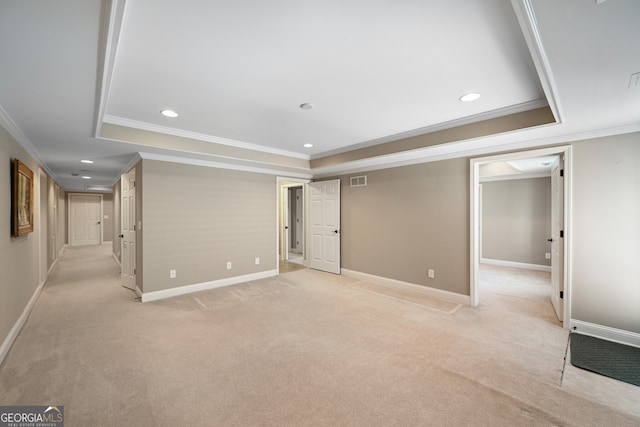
<point x="21" y="199"/>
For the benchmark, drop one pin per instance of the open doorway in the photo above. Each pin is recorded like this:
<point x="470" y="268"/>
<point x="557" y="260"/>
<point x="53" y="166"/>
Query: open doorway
<point x="497" y="256"/>
<point x="292" y="245"/>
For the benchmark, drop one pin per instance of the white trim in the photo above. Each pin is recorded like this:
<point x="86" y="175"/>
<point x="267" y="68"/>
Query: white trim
<point x="7" y="122"/>
<point x="183" y="290"/>
<point x="113" y="16"/>
<point x="465" y="148"/>
<point x="138" y="291"/>
<point x="398" y="284"/>
<point x="514" y="264"/>
<point x="219" y="165"/>
<point x="17" y="327"/>
<point x="120" y="121"/>
<point x="529" y="25"/>
<point x="488" y="115"/>
<point x="474" y="223"/>
<point x="606" y="333"/>
<point x="115" y="258"/>
<point x="294" y="182"/>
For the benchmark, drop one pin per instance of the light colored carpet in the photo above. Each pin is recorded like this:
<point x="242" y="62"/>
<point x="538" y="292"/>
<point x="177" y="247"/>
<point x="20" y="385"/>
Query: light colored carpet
<point x="302" y="349"/>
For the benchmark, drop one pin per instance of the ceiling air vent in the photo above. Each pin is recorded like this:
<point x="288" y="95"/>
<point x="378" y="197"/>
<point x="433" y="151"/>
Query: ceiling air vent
<point x="359" y="181"/>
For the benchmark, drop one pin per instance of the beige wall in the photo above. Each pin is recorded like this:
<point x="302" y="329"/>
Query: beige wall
<point x="107" y="223"/>
<point x="606" y="232"/>
<point x="516" y="220"/>
<point x="195" y="219"/>
<point x="408" y="220"/>
<point x="19" y="257"/>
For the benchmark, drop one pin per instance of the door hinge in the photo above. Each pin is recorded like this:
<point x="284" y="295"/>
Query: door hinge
<point x="561" y="233"/>
<point x="561" y="294"/>
<point x="561" y="172"/>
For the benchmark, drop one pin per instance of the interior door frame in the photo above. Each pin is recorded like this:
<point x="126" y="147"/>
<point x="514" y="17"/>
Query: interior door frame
<point x="69" y="217"/>
<point x="475" y="224"/>
<point x="43" y="233"/>
<point x="282" y="183"/>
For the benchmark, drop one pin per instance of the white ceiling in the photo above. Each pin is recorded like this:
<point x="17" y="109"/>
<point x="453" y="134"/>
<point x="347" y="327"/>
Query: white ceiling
<point x="236" y="72"/>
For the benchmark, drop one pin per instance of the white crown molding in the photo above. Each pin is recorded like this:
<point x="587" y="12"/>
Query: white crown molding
<point x="529" y="25"/>
<point x="222" y="165"/>
<point x="120" y="121"/>
<point x="488" y="115"/>
<point x="466" y="148"/>
<point x="112" y="18"/>
<point x="7" y="122"/>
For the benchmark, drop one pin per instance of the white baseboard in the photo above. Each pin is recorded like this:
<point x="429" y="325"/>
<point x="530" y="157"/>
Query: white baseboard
<point x="13" y="333"/>
<point x="606" y="333"/>
<point x="55" y="261"/>
<point x="514" y="264"/>
<point x="183" y="290"/>
<point x="398" y="284"/>
<point x="116" y="259"/>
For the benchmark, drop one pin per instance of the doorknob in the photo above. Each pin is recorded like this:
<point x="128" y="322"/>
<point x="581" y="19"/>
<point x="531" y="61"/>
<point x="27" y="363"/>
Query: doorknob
<point x="121" y="236"/>
<point x="549" y="240"/>
<point x="336" y="231"/>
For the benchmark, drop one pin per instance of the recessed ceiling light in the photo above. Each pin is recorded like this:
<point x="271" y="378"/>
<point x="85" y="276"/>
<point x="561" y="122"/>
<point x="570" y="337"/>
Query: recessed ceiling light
<point x="86" y="161"/>
<point x="307" y="106"/>
<point x="86" y="177"/>
<point x="307" y="145"/>
<point x="468" y="97"/>
<point x="169" y="113"/>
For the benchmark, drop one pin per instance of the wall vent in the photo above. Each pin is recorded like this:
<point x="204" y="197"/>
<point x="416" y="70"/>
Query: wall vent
<point x="359" y="181"/>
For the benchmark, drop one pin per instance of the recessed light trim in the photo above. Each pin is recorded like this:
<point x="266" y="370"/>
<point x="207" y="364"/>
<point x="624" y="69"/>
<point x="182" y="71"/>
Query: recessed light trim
<point x="308" y="145"/>
<point x="89" y="162"/>
<point x="86" y="177"/>
<point x="169" y="113"/>
<point x="307" y="106"/>
<point x="468" y="97"/>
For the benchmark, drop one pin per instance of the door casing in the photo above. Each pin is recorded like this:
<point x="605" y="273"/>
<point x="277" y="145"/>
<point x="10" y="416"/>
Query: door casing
<point x="282" y="184"/>
<point x="475" y="225"/>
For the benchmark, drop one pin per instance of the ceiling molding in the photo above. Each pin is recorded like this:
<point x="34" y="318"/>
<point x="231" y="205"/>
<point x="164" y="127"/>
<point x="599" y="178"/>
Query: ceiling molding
<point x="120" y="121"/>
<point x="467" y="148"/>
<point x="527" y="19"/>
<point x="7" y="122"/>
<point x="488" y="115"/>
<point x="221" y="165"/>
<point x="111" y="25"/>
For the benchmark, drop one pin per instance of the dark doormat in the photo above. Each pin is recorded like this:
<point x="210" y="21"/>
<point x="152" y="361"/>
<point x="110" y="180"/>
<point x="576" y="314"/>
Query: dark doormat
<point x="607" y="358"/>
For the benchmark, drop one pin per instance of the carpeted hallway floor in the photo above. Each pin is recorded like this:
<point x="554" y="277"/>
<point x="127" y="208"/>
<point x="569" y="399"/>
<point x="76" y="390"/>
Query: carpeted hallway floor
<point x="302" y="349"/>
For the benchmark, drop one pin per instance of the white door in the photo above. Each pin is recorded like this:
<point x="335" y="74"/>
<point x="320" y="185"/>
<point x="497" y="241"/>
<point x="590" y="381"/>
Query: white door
<point x="85" y="218"/>
<point x="128" y="231"/>
<point x="325" y="226"/>
<point x="557" y="243"/>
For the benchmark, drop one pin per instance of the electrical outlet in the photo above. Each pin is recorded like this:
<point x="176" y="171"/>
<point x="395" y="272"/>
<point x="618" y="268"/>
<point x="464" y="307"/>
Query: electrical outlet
<point x="229" y="265"/>
<point x="257" y="261"/>
<point x="547" y="255"/>
<point x="431" y="273"/>
<point x="172" y="274"/>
